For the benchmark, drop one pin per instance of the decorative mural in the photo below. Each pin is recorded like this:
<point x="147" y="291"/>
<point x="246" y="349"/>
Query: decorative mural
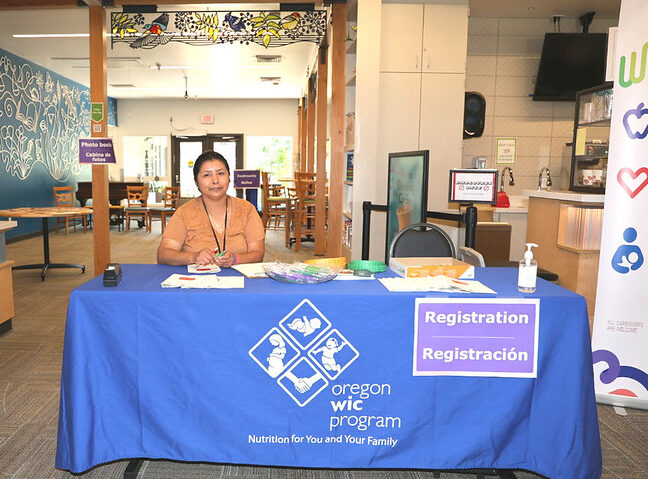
<point x="42" y="117"/>
<point x="270" y="29"/>
<point x="41" y="121"/>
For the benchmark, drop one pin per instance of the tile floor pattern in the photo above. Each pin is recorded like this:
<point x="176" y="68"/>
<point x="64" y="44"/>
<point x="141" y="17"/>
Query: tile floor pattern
<point x="30" y="362"/>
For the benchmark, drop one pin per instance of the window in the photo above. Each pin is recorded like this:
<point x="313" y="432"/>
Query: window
<point x="270" y="153"/>
<point x="145" y="156"/>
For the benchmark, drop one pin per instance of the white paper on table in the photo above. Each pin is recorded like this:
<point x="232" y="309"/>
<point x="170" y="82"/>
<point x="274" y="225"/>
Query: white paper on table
<point x="251" y="270"/>
<point x="203" y="281"/>
<point x="438" y="283"/>
<point x="203" y="268"/>
<point x="348" y="275"/>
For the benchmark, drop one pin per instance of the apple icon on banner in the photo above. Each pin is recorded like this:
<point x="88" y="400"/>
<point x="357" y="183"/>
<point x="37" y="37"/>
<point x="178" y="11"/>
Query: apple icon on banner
<point x="637" y="112"/>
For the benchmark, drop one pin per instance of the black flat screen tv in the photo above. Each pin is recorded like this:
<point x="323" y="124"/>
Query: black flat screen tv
<point x="570" y="62"/>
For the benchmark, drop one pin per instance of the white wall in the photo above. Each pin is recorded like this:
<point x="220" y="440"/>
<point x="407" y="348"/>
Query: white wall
<point x="249" y="117"/>
<point x="503" y="57"/>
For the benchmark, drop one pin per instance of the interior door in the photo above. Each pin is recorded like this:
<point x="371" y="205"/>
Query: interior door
<point x="186" y="150"/>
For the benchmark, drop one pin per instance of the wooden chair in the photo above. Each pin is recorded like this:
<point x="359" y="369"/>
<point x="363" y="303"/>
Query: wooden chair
<point x="170" y="203"/>
<point x="64" y="196"/>
<point x="137" y="197"/>
<point x="275" y="204"/>
<point x="290" y="212"/>
<point x="304" y="213"/>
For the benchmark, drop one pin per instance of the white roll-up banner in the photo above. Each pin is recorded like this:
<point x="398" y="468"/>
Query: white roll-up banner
<point x="620" y="332"/>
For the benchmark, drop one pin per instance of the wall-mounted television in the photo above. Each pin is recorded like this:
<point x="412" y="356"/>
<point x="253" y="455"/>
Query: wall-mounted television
<point x="570" y="62"/>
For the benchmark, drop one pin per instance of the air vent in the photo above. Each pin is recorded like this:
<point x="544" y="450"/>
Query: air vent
<point x="122" y="85"/>
<point x="274" y="80"/>
<point x="268" y="58"/>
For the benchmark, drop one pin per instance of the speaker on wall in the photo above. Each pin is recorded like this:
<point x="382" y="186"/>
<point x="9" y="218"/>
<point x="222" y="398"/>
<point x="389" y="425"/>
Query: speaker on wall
<point x="474" y="113"/>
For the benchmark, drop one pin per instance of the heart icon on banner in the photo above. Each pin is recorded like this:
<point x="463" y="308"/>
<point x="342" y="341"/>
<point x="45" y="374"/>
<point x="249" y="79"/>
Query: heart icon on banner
<point x="633" y="181"/>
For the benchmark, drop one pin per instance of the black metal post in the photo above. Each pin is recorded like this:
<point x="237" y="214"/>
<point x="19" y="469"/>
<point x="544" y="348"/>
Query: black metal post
<point x="366" y="227"/>
<point x="470" y="219"/>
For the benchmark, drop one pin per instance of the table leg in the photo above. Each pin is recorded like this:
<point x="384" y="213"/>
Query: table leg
<point x="45" y="265"/>
<point x="133" y="468"/>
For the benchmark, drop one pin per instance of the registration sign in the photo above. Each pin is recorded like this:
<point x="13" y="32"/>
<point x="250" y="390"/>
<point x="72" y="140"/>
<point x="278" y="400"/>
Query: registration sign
<point x="476" y="337"/>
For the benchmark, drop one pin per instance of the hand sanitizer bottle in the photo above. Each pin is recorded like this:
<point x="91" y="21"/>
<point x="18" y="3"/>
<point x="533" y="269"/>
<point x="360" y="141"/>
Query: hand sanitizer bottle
<point x="528" y="271"/>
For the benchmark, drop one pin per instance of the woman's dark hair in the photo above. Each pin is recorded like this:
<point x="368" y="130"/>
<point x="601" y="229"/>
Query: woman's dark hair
<point x="208" y="156"/>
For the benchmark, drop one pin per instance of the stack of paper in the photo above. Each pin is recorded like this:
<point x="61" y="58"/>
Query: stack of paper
<point x="251" y="270"/>
<point x="203" y="281"/>
<point x="203" y="268"/>
<point x="439" y="283"/>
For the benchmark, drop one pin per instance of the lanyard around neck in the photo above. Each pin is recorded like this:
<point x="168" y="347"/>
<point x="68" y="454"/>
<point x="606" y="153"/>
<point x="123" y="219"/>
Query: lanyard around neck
<point x="212" y="226"/>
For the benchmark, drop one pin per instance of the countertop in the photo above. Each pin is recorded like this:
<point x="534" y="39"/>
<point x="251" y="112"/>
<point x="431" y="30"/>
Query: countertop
<point x="7" y="225"/>
<point x="566" y="196"/>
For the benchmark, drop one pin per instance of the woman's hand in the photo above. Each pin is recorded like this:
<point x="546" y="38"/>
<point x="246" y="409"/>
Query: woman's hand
<point x="226" y="260"/>
<point x="206" y="256"/>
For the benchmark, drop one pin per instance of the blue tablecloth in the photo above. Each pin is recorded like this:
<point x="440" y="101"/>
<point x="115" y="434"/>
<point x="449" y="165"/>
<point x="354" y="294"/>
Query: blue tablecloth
<point x="188" y="375"/>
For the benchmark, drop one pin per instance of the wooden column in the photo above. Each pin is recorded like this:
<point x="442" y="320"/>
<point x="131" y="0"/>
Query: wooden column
<point x="310" y="145"/>
<point x="98" y="94"/>
<point x="304" y="135"/>
<point x="300" y="152"/>
<point x="320" y="167"/>
<point x="334" y="243"/>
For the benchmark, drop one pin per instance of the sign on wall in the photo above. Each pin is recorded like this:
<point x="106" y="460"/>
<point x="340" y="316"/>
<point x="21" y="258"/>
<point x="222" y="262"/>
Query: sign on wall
<point x="96" y="151"/>
<point x="506" y="151"/>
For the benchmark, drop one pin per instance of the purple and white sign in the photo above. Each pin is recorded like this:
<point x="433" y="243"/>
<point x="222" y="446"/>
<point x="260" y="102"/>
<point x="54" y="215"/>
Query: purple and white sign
<point x="476" y="337"/>
<point x="247" y="178"/>
<point x="96" y="151"/>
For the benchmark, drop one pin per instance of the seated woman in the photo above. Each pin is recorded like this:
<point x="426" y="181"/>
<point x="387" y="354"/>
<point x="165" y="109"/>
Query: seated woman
<point x="213" y="228"/>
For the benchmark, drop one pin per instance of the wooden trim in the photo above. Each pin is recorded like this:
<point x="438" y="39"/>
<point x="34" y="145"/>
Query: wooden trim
<point x="300" y="132"/>
<point x="304" y="135"/>
<point x="320" y="167"/>
<point x="334" y="244"/>
<point x="98" y="93"/>
<point x="310" y="143"/>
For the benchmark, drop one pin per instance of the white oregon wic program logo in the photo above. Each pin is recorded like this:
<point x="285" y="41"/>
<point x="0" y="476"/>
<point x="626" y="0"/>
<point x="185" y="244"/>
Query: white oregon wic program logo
<point x="304" y="353"/>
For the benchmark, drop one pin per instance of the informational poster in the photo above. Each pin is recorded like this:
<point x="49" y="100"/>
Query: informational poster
<point x="620" y="332"/>
<point x="473" y="186"/>
<point x="506" y="151"/>
<point x="406" y="192"/>
<point x="96" y="151"/>
<point x="476" y="337"/>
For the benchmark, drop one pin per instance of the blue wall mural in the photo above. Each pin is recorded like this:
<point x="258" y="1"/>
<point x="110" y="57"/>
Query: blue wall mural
<point x="42" y="117"/>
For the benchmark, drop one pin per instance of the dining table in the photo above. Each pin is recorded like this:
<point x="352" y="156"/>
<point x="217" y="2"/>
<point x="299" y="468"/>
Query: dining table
<point x="46" y="212"/>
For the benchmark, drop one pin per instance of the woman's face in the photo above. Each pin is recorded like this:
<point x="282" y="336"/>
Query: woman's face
<point x="213" y="179"/>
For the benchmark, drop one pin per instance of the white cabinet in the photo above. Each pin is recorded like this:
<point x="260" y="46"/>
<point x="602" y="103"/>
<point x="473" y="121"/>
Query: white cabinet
<point x="401" y="38"/>
<point x="443" y="50"/>
<point x="423" y="38"/>
<point x="442" y="101"/>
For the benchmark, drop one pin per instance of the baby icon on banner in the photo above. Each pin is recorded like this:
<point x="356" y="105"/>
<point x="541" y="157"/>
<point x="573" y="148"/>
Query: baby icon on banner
<point x="327" y="353"/>
<point x="628" y="256"/>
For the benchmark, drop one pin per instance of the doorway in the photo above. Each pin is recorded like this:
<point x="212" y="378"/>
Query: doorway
<point x="187" y="148"/>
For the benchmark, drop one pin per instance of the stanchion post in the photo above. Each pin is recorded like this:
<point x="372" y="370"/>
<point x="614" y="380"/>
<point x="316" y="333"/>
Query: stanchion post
<point x="470" y="218"/>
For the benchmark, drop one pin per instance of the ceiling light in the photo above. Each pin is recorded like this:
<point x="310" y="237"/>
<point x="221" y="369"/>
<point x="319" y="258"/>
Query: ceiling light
<point x="51" y="35"/>
<point x="122" y="85"/>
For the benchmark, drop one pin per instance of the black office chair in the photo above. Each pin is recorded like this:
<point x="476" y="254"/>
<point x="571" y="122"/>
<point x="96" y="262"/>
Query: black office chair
<point x="421" y="240"/>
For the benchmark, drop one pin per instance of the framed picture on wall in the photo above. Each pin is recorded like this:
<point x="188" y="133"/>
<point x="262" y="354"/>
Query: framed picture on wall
<point x="407" y="186"/>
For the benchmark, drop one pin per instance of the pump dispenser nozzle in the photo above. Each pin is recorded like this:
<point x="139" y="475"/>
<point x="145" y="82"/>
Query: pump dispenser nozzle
<point x="528" y="254"/>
